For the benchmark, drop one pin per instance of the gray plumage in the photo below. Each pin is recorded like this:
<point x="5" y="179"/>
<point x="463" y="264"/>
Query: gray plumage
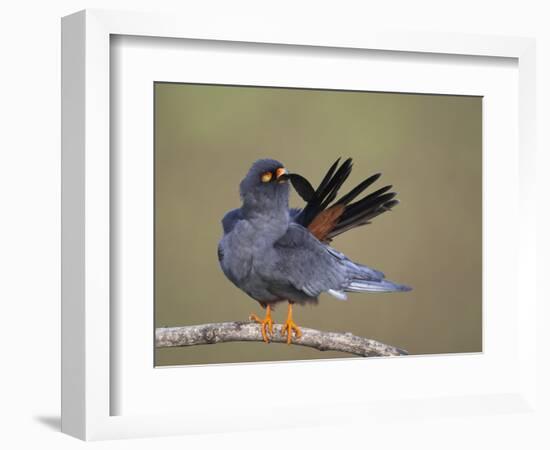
<point x="271" y="257"/>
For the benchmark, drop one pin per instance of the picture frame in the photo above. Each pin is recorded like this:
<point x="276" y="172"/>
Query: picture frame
<point x="88" y="326"/>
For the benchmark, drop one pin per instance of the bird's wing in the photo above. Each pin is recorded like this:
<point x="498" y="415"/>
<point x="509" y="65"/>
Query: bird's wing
<point x="326" y="219"/>
<point x="230" y="219"/>
<point x="307" y="264"/>
<point x="313" y="267"/>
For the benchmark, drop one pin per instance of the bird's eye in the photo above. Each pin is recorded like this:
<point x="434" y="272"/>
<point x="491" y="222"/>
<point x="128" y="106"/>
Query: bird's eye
<point x="266" y="177"/>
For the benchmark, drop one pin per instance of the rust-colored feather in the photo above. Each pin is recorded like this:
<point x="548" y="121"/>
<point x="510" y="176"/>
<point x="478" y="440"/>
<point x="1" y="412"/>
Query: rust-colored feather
<point x="325" y="222"/>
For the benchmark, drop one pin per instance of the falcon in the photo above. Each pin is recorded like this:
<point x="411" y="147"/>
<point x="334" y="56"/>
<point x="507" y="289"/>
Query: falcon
<point x="279" y="254"/>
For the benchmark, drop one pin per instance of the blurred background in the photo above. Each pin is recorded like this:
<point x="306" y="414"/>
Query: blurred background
<point x="429" y="147"/>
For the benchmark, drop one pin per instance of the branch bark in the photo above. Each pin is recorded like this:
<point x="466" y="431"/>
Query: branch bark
<point x="214" y="333"/>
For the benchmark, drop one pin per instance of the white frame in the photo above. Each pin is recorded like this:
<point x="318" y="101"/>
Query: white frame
<point x="85" y="194"/>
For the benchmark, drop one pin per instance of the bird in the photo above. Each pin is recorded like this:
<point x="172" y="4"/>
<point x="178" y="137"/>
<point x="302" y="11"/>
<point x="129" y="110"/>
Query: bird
<point x="278" y="254"/>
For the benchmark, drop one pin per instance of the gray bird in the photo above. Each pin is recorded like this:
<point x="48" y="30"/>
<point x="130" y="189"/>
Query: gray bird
<point x="277" y="254"/>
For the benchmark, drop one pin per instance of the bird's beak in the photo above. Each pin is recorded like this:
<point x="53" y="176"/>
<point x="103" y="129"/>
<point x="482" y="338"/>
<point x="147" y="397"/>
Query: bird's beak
<point x="281" y="175"/>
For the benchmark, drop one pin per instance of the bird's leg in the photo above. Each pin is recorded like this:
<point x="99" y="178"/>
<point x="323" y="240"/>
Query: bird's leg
<point x="265" y="324"/>
<point x="290" y="326"/>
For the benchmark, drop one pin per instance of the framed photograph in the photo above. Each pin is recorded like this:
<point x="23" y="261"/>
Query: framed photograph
<point x="247" y="208"/>
<point x="208" y="133"/>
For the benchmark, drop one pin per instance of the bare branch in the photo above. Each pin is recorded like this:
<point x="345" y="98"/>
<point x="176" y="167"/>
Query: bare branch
<point x="214" y="333"/>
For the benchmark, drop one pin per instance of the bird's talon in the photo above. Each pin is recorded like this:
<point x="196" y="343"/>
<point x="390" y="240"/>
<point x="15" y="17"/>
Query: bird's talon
<point x="265" y="324"/>
<point x="288" y="329"/>
<point x="254" y="318"/>
<point x="290" y="326"/>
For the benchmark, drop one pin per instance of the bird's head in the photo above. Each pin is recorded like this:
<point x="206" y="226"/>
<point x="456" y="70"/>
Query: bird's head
<point x="265" y="186"/>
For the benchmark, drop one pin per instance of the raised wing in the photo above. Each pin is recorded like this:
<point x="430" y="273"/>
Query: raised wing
<point x="325" y="219"/>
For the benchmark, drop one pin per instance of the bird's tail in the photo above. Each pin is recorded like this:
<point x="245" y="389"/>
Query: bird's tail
<point x="359" y="285"/>
<point x="365" y="279"/>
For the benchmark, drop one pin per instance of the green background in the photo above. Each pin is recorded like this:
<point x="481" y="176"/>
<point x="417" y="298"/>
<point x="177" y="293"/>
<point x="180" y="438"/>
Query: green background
<point x="428" y="147"/>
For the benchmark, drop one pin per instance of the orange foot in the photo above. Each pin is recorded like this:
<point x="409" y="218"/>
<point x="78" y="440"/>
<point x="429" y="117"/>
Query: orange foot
<point x="265" y="324"/>
<point x="290" y="326"/>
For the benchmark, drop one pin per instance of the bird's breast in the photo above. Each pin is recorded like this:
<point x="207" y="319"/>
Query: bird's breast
<point x="245" y="251"/>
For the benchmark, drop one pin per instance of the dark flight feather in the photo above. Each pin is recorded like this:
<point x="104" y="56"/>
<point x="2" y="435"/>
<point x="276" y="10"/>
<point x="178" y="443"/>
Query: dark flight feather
<point x="303" y="187"/>
<point x="328" y="194"/>
<point x="328" y="175"/>
<point x="358" y="189"/>
<point x="325" y="221"/>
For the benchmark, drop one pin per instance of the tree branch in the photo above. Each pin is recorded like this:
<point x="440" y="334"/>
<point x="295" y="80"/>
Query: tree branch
<point x="214" y="333"/>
